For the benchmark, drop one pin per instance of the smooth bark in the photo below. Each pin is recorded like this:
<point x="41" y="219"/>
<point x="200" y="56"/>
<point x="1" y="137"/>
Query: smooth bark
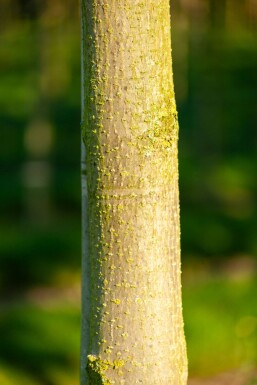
<point x="132" y="311"/>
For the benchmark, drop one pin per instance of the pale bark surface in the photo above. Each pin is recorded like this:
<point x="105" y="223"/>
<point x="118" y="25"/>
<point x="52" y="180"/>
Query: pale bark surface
<point x="133" y="325"/>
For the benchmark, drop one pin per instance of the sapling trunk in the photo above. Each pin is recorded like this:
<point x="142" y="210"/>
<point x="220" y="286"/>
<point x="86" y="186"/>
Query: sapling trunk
<point x="132" y="313"/>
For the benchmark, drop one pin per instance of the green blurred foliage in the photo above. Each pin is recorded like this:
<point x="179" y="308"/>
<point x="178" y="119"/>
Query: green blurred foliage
<point x="215" y="70"/>
<point x="40" y="345"/>
<point x="218" y="120"/>
<point x="220" y="324"/>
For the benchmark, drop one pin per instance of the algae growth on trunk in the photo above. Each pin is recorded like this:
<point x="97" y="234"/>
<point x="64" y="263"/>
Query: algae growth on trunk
<point x="132" y="324"/>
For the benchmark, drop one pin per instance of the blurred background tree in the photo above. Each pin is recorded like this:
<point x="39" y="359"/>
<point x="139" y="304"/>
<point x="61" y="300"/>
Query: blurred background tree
<point x="215" y="71"/>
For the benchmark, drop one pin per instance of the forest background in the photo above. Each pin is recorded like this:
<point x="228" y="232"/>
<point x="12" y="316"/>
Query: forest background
<point x="215" y="73"/>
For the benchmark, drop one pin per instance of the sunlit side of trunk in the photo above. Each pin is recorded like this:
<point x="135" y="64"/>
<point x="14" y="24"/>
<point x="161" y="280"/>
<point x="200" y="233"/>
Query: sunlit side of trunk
<point x="132" y="311"/>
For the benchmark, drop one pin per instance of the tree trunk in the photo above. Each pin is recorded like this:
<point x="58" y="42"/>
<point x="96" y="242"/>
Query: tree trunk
<point x="132" y="325"/>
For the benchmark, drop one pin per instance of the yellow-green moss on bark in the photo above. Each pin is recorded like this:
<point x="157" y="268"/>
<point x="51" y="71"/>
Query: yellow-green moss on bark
<point x="130" y="131"/>
<point x="98" y="370"/>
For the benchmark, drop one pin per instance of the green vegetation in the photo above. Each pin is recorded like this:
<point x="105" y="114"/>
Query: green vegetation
<point x="221" y="324"/>
<point x="40" y="344"/>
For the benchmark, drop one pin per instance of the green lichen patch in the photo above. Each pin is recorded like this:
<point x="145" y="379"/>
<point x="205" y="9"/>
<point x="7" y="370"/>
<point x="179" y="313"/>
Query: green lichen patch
<point x="162" y="125"/>
<point x="97" y="369"/>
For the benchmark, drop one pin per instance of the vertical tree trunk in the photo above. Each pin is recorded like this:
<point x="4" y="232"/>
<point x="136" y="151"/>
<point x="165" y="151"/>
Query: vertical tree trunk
<point x="132" y="321"/>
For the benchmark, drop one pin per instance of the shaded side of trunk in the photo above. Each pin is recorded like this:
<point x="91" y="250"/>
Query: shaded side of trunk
<point x="130" y="129"/>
